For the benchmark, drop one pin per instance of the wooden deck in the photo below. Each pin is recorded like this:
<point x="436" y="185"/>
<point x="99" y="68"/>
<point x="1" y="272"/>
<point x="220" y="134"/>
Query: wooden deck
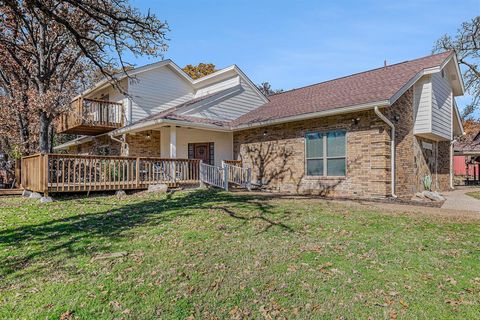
<point x="10" y="192"/>
<point x="76" y="173"/>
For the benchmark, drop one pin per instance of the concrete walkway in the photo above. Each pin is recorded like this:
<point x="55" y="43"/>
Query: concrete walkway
<point x="458" y="200"/>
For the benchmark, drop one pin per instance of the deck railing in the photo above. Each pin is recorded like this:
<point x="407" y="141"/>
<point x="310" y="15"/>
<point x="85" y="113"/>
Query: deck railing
<point x="68" y="173"/>
<point x="213" y="175"/>
<point x="237" y="175"/>
<point x="92" y="112"/>
<point x="237" y="163"/>
<point x="227" y="174"/>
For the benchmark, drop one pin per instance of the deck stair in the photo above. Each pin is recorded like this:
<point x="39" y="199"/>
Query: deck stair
<point x="227" y="174"/>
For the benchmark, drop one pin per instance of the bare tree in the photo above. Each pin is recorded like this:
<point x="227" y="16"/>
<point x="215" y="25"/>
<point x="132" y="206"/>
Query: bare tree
<point x="466" y="45"/>
<point x="267" y="90"/>
<point x="54" y="42"/>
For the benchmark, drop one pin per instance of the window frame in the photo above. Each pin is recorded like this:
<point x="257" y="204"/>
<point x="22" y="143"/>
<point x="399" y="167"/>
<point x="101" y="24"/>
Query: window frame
<point x="325" y="156"/>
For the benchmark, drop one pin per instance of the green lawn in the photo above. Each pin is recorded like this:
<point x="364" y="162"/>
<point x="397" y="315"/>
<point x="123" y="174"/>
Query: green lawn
<point x="476" y="195"/>
<point x="216" y="255"/>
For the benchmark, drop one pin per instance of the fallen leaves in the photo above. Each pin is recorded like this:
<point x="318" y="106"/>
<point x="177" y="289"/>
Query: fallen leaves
<point x="451" y="280"/>
<point x="67" y="315"/>
<point x="109" y="256"/>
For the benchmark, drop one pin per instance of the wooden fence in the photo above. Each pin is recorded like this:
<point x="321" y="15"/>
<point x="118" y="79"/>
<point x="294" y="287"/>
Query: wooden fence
<point x="69" y="173"/>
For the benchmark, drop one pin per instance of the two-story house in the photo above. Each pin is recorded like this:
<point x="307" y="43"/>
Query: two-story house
<point x="376" y="133"/>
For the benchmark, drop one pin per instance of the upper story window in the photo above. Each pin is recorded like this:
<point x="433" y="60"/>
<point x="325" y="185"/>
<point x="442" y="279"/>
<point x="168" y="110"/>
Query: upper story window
<point x="325" y="153"/>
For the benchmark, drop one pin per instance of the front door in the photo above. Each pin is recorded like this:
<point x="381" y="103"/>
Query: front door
<point x="201" y="151"/>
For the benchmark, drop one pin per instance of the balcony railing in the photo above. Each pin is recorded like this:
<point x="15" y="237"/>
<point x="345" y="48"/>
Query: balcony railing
<point x="91" y="117"/>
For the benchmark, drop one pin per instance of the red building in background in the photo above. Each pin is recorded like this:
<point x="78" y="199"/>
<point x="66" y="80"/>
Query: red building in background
<point x="466" y="160"/>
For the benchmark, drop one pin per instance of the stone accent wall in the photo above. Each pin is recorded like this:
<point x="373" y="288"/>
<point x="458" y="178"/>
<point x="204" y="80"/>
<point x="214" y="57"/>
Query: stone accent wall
<point x="276" y="155"/>
<point x="443" y="168"/>
<point x="432" y="158"/>
<point x="144" y="144"/>
<point x="401" y="115"/>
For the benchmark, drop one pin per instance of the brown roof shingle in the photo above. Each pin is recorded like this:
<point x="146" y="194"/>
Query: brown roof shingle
<point x="365" y="87"/>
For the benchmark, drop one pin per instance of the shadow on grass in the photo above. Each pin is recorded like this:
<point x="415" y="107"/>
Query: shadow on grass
<point x="78" y="234"/>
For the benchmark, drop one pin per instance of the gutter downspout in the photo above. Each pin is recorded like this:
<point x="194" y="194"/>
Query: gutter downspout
<point x="123" y="143"/>
<point x="392" y="144"/>
<point x="452" y="159"/>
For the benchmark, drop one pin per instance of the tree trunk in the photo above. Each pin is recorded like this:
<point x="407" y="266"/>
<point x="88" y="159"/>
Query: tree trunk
<point x="44" y="141"/>
<point x="51" y="137"/>
<point x="24" y="133"/>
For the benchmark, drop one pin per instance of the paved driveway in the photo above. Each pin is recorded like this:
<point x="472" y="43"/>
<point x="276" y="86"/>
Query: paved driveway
<point x="458" y="200"/>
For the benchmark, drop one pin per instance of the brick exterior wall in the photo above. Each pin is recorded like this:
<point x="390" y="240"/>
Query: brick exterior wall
<point x="144" y="144"/>
<point x="95" y="147"/>
<point x="276" y="155"/>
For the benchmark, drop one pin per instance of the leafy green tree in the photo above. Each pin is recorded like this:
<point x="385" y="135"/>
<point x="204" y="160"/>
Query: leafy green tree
<point x="200" y="70"/>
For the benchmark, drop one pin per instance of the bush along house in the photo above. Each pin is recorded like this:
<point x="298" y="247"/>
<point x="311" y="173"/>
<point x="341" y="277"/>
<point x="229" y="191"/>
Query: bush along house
<point x="376" y="133"/>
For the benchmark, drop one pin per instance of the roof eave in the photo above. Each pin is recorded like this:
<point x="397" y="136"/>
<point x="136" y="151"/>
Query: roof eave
<point x="313" y="115"/>
<point x="73" y="142"/>
<point x="156" y="123"/>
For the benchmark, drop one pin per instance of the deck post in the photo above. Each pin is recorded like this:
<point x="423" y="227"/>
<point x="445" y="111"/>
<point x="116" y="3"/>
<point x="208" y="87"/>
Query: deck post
<point x="44" y="164"/>
<point x="249" y="179"/>
<point x="225" y="175"/>
<point x="200" y="167"/>
<point x="137" y="172"/>
<point x="174" y="172"/>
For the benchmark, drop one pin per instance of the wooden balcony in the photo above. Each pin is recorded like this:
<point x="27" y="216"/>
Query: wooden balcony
<point x="91" y="117"/>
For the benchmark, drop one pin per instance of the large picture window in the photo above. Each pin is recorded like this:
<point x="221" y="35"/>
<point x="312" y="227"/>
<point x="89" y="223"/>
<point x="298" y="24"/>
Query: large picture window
<point x="326" y="153"/>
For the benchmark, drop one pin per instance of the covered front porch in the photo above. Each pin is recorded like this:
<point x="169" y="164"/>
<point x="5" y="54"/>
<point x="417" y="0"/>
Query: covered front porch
<point x="179" y="142"/>
<point x="167" y="151"/>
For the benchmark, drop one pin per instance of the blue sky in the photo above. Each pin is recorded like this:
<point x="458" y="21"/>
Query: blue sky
<point x="296" y="43"/>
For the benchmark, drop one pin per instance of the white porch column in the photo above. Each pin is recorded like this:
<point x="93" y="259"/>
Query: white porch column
<point x="128" y="113"/>
<point x="173" y="141"/>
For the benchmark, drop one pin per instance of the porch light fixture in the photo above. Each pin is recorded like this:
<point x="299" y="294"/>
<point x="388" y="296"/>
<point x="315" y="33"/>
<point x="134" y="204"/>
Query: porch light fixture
<point x="265" y="133"/>
<point x="147" y="136"/>
<point x="356" y="121"/>
<point x="396" y="118"/>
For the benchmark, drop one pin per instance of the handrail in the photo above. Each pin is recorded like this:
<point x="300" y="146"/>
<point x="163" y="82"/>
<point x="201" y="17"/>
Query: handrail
<point x="102" y="101"/>
<point x="237" y="163"/>
<point x="113" y="157"/>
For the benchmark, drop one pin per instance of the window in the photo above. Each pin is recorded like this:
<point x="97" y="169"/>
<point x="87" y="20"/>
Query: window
<point x="326" y="153"/>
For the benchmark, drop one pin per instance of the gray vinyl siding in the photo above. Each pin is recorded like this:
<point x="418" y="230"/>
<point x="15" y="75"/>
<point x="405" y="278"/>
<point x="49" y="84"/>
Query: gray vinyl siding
<point x="228" y="104"/>
<point x="433" y="106"/>
<point x="423" y="105"/>
<point x="441" y="106"/>
<point x="157" y="90"/>
<point x="218" y="86"/>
